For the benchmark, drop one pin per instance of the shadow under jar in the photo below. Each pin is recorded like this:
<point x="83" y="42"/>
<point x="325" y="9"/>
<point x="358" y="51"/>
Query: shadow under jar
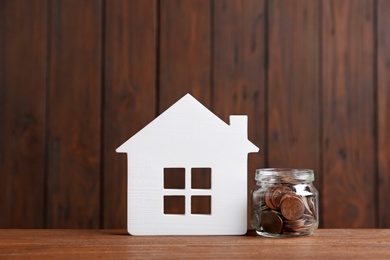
<point x="284" y="202"/>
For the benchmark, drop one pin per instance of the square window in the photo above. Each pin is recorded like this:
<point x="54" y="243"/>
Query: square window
<point x="174" y="178"/>
<point x="201" y="205"/>
<point x="201" y="178"/>
<point x="174" y="205"/>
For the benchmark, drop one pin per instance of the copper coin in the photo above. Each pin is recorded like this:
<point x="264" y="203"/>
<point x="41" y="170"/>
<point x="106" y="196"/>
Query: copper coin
<point x="312" y="205"/>
<point x="277" y="193"/>
<point x="288" y="195"/>
<point x="268" y="198"/>
<point x="292" y="225"/>
<point x="292" y="208"/>
<point x="271" y="222"/>
<point x="307" y="207"/>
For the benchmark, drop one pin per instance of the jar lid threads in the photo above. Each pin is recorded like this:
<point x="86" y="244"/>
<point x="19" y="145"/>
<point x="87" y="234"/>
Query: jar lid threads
<point x="278" y="174"/>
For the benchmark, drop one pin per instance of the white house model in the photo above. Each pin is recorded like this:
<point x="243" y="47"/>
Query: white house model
<point x="185" y="140"/>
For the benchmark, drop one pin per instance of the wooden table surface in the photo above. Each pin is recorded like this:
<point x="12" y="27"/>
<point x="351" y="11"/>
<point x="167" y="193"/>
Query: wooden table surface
<point x="116" y="244"/>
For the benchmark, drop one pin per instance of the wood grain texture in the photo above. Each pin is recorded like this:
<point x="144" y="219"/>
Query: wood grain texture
<point x="74" y="110"/>
<point x="239" y="71"/>
<point x="294" y="84"/>
<point x="130" y="93"/>
<point x="348" y="114"/>
<point x="383" y="97"/>
<point x="77" y="78"/>
<point x="22" y="112"/>
<point x="184" y="55"/>
<point x="294" y="119"/>
<point x="185" y="51"/>
<point x="115" y="244"/>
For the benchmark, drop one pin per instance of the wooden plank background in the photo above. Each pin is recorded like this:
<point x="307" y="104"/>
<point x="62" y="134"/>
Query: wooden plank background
<point x="78" y="78"/>
<point x="73" y="114"/>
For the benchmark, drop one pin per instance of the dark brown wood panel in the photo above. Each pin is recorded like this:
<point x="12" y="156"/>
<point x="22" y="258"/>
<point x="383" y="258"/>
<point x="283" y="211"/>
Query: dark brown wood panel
<point x="239" y="70"/>
<point x="348" y="114"/>
<point x="293" y="84"/>
<point x="294" y="111"/>
<point x="130" y="67"/>
<point x="185" y="51"/>
<point x="80" y="77"/>
<point x="184" y="55"/>
<point x="74" y="111"/>
<point x="22" y="112"/>
<point x="383" y="97"/>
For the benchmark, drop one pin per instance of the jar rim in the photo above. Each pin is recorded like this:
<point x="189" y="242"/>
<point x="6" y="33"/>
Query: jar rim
<point x="294" y="173"/>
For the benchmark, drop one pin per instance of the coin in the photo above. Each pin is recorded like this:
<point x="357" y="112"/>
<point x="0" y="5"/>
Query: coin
<point x="284" y="211"/>
<point x="271" y="222"/>
<point x="312" y="205"/>
<point x="277" y="193"/>
<point x="287" y="195"/>
<point x="293" y="225"/>
<point x="307" y="207"/>
<point x="268" y="198"/>
<point x="292" y="208"/>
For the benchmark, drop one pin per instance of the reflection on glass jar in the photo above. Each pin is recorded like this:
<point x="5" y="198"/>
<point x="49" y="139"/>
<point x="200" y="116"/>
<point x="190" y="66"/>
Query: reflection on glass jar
<point x="284" y="202"/>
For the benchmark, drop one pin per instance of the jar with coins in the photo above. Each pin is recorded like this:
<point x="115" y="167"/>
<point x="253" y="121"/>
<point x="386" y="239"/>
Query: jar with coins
<point x="284" y="202"/>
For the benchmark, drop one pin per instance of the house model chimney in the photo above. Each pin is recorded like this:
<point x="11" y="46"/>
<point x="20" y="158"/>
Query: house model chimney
<point x="240" y="124"/>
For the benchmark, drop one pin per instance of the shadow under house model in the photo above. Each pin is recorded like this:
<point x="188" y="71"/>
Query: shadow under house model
<point x="184" y="139"/>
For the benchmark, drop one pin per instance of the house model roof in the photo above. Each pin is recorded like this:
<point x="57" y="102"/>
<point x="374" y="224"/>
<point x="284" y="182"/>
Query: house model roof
<point x="188" y="121"/>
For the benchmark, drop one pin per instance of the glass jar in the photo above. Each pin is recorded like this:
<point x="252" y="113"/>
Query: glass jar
<point x="284" y="202"/>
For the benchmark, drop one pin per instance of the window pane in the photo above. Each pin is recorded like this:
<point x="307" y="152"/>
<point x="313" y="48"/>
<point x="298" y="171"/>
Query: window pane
<point x="201" y="178"/>
<point x="174" y="205"/>
<point x="174" y="178"/>
<point x="201" y="205"/>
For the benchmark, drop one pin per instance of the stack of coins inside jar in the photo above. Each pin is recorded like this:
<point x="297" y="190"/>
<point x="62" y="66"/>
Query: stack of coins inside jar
<point x="284" y="203"/>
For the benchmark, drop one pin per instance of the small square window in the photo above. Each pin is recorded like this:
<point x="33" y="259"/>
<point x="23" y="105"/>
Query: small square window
<point x="174" y="178"/>
<point x="174" y="205"/>
<point x="201" y="178"/>
<point x="201" y="205"/>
